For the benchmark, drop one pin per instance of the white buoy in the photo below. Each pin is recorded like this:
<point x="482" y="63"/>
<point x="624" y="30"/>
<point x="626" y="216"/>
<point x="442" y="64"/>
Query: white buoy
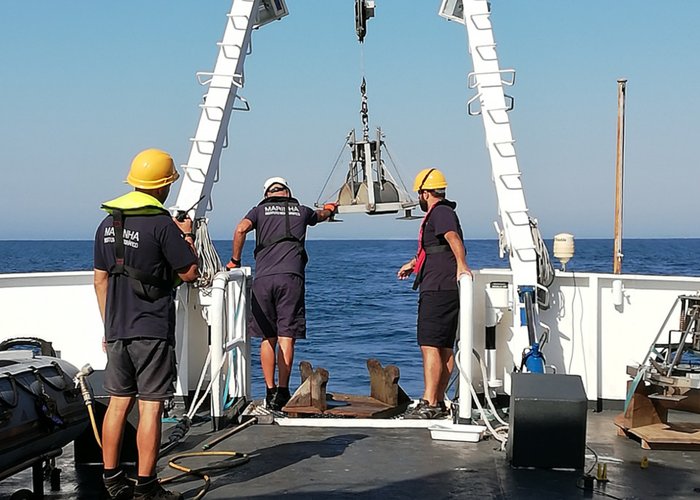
<point x="564" y="248"/>
<point x="618" y="293"/>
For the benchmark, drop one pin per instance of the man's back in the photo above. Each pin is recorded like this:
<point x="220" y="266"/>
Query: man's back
<point x="280" y="231"/>
<point x="153" y="244"/>
<point x="441" y="267"/>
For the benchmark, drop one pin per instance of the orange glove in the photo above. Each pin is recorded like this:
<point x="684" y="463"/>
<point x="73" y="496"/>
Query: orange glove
<point x="331" y="207"/>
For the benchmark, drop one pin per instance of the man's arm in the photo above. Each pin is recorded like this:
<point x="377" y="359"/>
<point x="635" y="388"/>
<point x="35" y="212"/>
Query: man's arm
<point x="100" y="280"/>
<point x="327" y="211"/>
<point x="185" y="226"/>
<point x="188" y="274"/>
<point x="457" y="247"/>
<point x="406" y="269"/>
<point x="239" y="234"/>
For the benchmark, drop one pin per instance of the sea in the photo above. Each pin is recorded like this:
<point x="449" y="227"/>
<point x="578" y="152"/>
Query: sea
<point x="356" y="307"/>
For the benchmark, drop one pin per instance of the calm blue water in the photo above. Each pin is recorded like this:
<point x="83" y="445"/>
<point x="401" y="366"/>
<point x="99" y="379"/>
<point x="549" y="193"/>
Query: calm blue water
<point x="356" y="308"/>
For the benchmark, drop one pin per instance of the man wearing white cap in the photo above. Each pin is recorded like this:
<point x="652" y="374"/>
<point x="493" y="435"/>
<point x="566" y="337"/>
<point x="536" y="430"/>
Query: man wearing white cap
<point x="278" y="307"/>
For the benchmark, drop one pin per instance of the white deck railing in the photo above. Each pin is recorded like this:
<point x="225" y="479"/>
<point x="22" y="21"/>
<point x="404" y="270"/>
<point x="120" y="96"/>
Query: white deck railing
<point x="465" y="343"/>
<point x="597" y="327"/>
<point x="229" y="368"/>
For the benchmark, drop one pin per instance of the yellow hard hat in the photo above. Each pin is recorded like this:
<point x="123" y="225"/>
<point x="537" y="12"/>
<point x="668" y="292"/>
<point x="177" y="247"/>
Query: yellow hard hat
<point x="429" y="178"/>
<point x="152" y="169"/>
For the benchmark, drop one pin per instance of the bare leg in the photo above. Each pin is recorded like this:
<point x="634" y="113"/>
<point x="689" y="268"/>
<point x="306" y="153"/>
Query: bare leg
<point x="113" y="429"/>
<point x="267" y="360"/>
<point x="148" y="436"/>
<point x="447" y="361"/>
<point x="285" y="359"/>
<point x="432" y="374"/>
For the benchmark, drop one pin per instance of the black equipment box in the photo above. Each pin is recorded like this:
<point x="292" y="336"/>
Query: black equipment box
<point x="87" y="451"/>
<point x="547" y="421"/>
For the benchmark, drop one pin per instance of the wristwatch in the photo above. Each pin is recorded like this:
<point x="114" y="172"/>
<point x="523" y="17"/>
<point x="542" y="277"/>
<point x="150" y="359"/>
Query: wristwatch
<point x="235" y="261"/>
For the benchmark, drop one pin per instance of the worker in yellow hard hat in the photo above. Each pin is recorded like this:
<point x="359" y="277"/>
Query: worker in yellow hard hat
<point x="438" y="264"/>
<point x="141" y="254"/>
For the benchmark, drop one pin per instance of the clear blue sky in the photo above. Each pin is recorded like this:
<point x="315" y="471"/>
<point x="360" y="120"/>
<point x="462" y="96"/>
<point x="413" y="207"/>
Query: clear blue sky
<point x="85" y="85"/>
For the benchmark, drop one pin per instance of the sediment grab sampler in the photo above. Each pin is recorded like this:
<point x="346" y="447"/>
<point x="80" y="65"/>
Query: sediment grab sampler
<point x="368" y="187"/>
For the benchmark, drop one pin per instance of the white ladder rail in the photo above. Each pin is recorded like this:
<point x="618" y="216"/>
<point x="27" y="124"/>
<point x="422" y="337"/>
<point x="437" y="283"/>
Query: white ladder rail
<point x="224" y="82"/>
<point x="489" y="80"/>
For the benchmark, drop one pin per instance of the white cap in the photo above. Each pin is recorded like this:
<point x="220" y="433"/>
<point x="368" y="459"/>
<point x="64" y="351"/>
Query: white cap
<point x="275" y="180"/>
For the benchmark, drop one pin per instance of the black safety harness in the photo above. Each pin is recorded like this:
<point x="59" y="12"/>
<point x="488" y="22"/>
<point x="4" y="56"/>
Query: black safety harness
<point x="430" y="249"/>
<point x="287" y="236"/>
<point x="146" y="286"/>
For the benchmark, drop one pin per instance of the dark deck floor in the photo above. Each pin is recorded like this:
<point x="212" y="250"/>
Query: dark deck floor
<point x="324" y="463"/>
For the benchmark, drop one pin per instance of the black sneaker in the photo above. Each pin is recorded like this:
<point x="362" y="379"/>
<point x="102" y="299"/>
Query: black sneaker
<point x="423" y="411"/>
<point x="154" y="491"/>
<point x="270" y="398"/>
<point x="119" y="487"/>
<point x="415" y="411"/>
<point x="282" y="397"/>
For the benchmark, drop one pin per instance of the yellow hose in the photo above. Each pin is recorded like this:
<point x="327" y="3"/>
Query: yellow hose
<point x="239" y="459"/>
<point x="94" y="425"/>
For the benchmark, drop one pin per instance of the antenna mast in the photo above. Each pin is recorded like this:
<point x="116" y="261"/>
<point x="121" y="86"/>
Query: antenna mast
<point x="619" y="174"/>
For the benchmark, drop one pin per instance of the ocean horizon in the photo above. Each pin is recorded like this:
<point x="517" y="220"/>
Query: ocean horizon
<point x="356" y="308"/>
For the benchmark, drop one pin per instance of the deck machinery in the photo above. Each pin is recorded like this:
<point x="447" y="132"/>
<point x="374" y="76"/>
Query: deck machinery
<point x="669" y="377"/>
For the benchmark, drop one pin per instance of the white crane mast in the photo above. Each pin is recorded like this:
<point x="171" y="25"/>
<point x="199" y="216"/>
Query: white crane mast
<point x="222" y="97"/>
<point x="491" y="102"/>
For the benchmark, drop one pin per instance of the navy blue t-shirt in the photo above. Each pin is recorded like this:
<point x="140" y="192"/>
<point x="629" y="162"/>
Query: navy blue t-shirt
<point x="270" y="223"/>
<point x="152" y="244"/>
<point x="440" y="269"/>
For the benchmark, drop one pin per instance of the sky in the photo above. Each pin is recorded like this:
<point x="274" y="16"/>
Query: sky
<point x="86" y="85"/>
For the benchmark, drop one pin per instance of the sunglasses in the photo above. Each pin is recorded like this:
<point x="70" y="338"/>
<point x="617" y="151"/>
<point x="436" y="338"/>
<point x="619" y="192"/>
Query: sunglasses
<point x="276" y="189"/>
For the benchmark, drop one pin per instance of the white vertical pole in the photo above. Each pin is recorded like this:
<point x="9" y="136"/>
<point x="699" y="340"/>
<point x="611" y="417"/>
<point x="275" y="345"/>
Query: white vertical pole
<point x="216" y="345"/>
<point x="227" y="318"/>
<point x="465" y="346"/>
<point x="619" y="174"/>
<point x="369" y="178"/>
<point x="181" y="341"/>
<point x="240" y="384"/>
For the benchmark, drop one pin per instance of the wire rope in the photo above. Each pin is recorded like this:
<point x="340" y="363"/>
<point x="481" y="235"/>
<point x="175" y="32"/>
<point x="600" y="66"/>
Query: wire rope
<point x="340" y="154"/>
<point x="396" y="169"/>
<point x="209" y="261"/>
<point x="499" y="433"/>
<point x="545" y="270"/>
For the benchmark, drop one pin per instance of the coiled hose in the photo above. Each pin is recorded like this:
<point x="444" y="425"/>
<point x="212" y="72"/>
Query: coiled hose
<point x="233" y="458"/>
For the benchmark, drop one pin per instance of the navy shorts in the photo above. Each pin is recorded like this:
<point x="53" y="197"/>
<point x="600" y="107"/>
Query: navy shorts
<point x="143" y="367"/>
<point x="278" y="308"/>
<point x="438" y="318"/>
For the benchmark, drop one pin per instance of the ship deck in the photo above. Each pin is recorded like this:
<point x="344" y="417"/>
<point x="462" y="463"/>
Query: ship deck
<point x="318" y="462"/>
